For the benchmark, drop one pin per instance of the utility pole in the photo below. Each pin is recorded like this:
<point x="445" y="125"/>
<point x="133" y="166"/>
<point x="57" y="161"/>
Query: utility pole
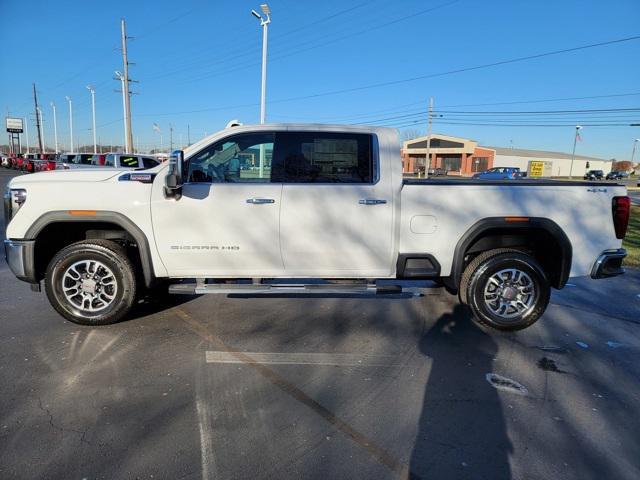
<point x="127" y="93"/>
<point x="93" y="113"/>
<point x="188" y="135"/>
<point x="55" y="127"/>
<point x="44" y="138"/>
<point x="170" y="138"/>
<point x="35" y="100"/>
<point x="427" y="159"/>
<point x="633" y="152"/>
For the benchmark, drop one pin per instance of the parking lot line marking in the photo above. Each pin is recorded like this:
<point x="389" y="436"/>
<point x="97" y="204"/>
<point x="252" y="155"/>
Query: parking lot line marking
<point x="377" y="452"/>
<point x="328" y="359"/>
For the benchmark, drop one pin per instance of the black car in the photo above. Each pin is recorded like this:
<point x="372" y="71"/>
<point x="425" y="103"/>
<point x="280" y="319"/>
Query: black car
<point x="594" y="175"/>
<point x="617" y="175"/>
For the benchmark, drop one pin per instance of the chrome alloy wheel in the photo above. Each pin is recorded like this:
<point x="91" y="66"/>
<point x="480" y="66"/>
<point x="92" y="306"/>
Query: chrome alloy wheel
<point x="89" y="285"/>
<point x="509" y="293"/>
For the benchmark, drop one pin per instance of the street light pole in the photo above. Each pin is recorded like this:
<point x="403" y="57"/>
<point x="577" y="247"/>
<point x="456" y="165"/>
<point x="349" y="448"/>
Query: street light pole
<point x="120" y="77"/>
<point x="26" y="128"/>
<point x="70" y="124"/>
<point x="264" y="23"/>
<point x="573" y="153"/>
<point x="55" y="127"/>
<point x="633" y="152"/>
<point x="93" y="112"/>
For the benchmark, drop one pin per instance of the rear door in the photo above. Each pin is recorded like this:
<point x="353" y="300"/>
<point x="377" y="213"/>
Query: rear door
<point x="336" y="218"/>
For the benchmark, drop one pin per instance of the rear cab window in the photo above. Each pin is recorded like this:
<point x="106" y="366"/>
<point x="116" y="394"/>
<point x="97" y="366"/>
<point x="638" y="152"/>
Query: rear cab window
<point x="324" y="157"/>
<point x="128" y="161"/>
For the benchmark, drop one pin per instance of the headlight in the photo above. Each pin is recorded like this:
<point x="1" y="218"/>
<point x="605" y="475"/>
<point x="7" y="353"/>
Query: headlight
<point x="14" y="198"/>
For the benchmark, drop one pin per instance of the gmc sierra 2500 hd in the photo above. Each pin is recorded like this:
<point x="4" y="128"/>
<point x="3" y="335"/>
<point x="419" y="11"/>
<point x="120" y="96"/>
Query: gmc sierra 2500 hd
<point x="251" y="205"/>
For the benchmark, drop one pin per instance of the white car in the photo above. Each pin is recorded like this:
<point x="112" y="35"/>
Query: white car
<point x="325" y="205"/>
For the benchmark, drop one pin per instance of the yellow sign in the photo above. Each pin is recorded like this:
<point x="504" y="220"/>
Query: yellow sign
<point x="536" y="169"/>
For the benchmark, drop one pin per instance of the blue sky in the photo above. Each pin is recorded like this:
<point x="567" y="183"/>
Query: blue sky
<point x="198" y="64"/>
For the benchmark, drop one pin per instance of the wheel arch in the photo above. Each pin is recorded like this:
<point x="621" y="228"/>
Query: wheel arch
<point x="99" y="219"/>
<point x="495" y="232"/>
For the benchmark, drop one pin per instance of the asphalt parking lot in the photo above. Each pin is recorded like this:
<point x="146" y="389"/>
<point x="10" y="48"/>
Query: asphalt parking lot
<point x="216" y="387"/>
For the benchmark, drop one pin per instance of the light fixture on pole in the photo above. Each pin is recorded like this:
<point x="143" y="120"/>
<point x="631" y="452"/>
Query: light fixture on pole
<point x="93" y="112"/>
<point x="633" y="152"/>
<point x="573" y="153"/>
<point x="70" y="124"/>
<point x="120" y="76"/>
<point x="55" y="127"/>
<point x="264" y="23"/>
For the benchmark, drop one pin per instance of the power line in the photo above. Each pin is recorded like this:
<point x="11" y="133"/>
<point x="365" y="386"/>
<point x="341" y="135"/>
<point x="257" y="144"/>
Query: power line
<point x="459" y="70"/>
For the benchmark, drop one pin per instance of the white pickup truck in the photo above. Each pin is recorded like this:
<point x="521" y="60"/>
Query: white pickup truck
<point x="324" y="206"/>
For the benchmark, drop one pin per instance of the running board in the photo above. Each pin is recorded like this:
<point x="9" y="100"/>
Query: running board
<point x="365" y="290"/>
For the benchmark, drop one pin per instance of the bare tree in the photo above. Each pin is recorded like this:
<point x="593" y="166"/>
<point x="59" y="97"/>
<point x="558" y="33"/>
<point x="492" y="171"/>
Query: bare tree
<point x="410" y="134"/>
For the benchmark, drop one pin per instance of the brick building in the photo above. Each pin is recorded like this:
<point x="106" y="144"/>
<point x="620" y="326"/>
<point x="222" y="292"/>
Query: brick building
<point x="457" y="156"/>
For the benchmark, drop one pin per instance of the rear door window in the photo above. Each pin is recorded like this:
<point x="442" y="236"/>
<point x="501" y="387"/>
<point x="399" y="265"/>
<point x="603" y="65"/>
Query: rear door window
<point x="128" y="161"/>
<point x="324" y="157"/>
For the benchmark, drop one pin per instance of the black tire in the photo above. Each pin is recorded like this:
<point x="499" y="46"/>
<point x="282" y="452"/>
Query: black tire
<point x="478" y="274"/>
<point x="473" y="265"/>
<point x="110" y="255"/>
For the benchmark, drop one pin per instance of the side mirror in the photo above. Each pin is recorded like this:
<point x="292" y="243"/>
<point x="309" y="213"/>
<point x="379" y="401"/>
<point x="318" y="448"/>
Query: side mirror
<point x="174" y="179"/>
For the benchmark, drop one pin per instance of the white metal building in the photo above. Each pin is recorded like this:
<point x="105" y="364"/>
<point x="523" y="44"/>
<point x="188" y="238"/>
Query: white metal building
<point x="561" y="162"/>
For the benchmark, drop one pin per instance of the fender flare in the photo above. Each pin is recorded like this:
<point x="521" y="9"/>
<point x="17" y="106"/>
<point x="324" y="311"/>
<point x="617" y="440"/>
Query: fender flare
<point x="102" y="216"/>
<point x="489" y="223"/>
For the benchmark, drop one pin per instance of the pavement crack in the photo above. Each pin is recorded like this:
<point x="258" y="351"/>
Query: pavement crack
<point x="82" y="433"/>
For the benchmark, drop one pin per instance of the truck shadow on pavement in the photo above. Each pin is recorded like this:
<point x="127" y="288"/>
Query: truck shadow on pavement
<point x="461" y="430"/>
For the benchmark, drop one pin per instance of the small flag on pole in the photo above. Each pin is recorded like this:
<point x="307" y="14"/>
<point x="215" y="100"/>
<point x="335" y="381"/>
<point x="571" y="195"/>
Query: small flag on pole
<point x="156" y="128"/>
<point x="578" y="137"/>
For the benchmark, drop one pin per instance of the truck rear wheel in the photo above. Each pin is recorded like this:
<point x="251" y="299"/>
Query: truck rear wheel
<point x="506" y="290"/>
<point x="91" y="282"/>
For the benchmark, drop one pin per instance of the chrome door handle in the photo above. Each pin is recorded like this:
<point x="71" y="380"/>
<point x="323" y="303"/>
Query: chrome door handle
<point x="258" y="201"/>
<point x="371" y="201"/>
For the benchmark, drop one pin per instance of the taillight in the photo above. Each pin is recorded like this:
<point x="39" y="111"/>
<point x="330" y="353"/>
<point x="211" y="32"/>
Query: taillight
<point x="29" y="167"/>
<point x="621" y="209"/>
<point x="50" y="165"/>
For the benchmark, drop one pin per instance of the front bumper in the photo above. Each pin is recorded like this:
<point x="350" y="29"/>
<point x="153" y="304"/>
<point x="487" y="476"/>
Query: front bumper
<point x="20" y="257"/>
<point x="609" y="264"/>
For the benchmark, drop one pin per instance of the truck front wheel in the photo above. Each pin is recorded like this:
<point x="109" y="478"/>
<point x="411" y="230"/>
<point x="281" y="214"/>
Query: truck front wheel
<point x="506" y="290"/>
<point x="91" y="282"/>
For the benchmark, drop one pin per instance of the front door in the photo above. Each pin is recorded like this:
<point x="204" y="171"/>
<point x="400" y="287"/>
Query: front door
<point x="226" y="222"/>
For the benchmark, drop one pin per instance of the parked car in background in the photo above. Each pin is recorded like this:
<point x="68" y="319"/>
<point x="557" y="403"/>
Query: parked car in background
<point x="617" y="175"/>
<point x="594" y="175"/>
<point x="29" y="162"/>
<point x="46" y="162"/>
<point x="123" y="160"/>
<point x="17" y="162"/>
<point x="437" y="172"/>
<point x="68" y="161"/>
<point x="4" y="160"/>
<point x="499" y="173"/>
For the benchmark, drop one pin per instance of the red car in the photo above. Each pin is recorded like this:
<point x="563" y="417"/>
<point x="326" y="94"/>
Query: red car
<point x="46" y="162"/>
